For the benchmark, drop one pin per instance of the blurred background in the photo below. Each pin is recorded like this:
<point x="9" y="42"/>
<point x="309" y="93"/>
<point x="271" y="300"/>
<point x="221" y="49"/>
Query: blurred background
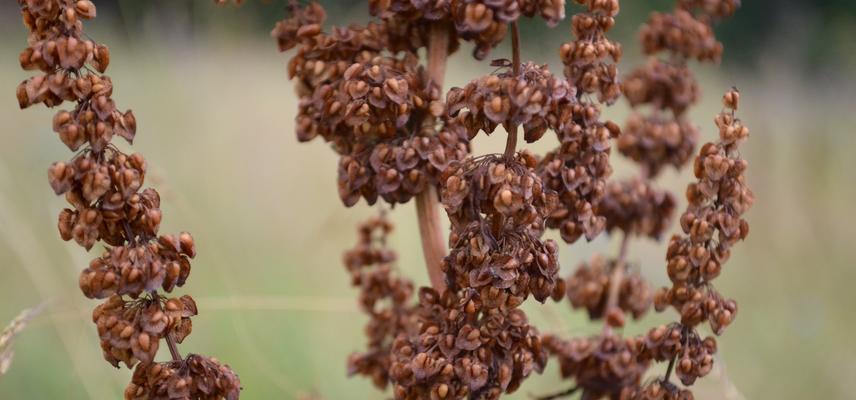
<point x="216" y="113"/>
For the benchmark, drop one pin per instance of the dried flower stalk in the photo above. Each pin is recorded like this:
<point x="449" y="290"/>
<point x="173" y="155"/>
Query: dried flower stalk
<point x="7" y="337"/>
<point x="104" y="187"/>
<point x="363" y="90"/>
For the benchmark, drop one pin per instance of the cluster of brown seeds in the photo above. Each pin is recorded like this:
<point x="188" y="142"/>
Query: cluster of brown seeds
<point x="658" y="390"/>
<point x="663" y="85"/>
<point x="591" y="282"/>
<point x="106" y="192"/>
<point x="376" y="109"/>
<point x="530" y="98"/>
<point x="399" y="169"/>
<point x="137" y="269"/>
<point x="384" y="296"/>
<point x="109" y="204"/>
<point x="656" y="142"/>
<point x="680" y="33"/>
<point x="577" y="171"/>
<point x="131" y="331"/>
<point x="485" y="23"/>
<point x="460" y="347"/>
<point x="197" y="377"/>
<point x="693" y="355"/>
<point x="590" y="60"/>
<point x="711" y="9"/>
<point x="602" y="366"/>
<point x="497" y="207"/>
<point x="636" y="207"/>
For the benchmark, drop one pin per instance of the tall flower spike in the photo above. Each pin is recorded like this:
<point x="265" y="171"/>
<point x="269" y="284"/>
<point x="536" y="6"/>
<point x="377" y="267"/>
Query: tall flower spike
<point x="712" y="223"/>
<point x="104" y="188"/>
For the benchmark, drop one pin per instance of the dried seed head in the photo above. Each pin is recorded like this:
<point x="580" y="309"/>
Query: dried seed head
<point x="195" y="377"/>
<point x="656" y="142"/>
<point x="602" y="366"/>
<point x="458" y="352"/>
<point x="635" y="207"/>
<point x="589" y="288"/>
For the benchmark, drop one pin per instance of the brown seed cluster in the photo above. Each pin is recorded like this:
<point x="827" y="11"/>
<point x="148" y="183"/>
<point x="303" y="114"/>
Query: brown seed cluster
<point x="710" y="10"/>
<point x="461" y="347"/>
<point x="131" y="331"/>
<point x="602" y="366"/>
<point x="138" y="269"/>
<point x="693" y="355"/>
<point x="376" y="109"/>
<point x="590" y="284"/>
<point x="532" y="99"/>
<point x="106" y="192"/>
<point x="682" y="34"/>
<point x="656" y="142"/>
<point x="104" y="188"/>
<point x="197" y="377"/>
<point x="399" y="169"/>
<point x="485" y="23"/>
<point x="663" y="85"/>
<point x="590" y="60"/>
<point x="635" y="207"/>
<point x="384" y="296"/>
<point x="577" y="171"/>
<point x="498" y="207"/>
<point x="657" y="390"/>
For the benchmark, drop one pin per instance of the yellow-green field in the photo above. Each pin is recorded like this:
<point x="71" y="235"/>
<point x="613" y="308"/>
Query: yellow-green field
<point x="215" y="123"/>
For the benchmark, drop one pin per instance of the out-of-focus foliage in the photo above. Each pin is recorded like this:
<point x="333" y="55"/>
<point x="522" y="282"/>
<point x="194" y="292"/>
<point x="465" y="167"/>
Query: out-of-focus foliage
<point x="817" y="30"/>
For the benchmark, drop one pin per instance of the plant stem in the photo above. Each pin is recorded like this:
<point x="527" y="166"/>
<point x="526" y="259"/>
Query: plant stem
<point x="511" y="141"/>
<point x="670" y="368"/>
<point x="515" y="48"/>
<point x="170" y="342"/>
<point x="427" y="204"/>
<point x="615" y="279"/>
<point x="173" y="348"/>
<point x="559" y="395"/>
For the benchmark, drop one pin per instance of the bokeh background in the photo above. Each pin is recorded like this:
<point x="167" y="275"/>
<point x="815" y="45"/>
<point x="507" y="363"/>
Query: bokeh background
<point x="215" y="115"/>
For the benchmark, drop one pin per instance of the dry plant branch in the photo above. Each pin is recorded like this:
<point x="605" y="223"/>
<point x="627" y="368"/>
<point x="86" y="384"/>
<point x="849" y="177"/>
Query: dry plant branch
<point x="7" y="336"/>
<point x="103" y="187"/>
